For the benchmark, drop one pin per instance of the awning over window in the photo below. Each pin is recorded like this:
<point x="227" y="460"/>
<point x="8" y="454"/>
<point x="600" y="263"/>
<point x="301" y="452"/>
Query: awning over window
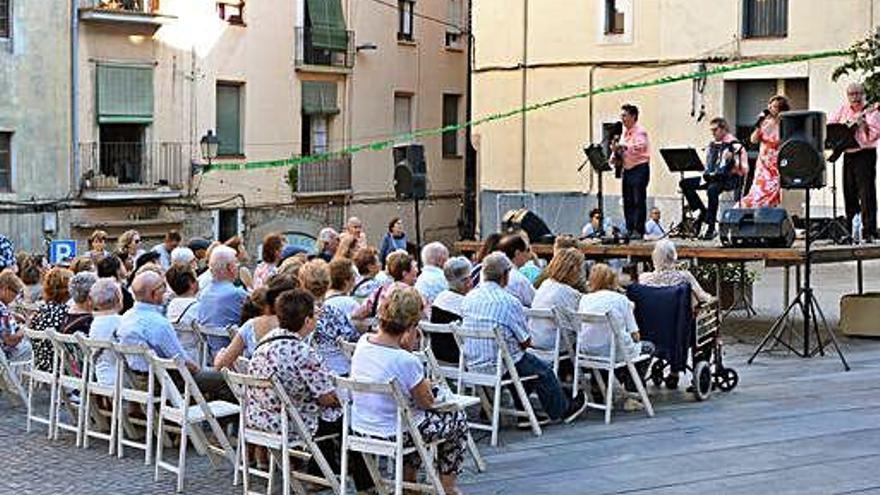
<point x="319" y="98"/>
<point x="125" y="94"/>
<point x="327" y="25"/>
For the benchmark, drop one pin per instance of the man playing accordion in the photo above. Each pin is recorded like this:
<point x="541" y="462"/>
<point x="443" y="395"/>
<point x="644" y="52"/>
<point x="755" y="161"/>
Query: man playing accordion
<point x="727" y="164"/>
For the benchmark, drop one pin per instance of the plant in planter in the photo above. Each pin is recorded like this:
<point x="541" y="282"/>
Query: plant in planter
<point x="736" y="279"/>
<point x="864" y="60"/>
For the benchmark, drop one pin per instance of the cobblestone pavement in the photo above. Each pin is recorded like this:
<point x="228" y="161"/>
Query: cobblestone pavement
<point x="792" y="426"/>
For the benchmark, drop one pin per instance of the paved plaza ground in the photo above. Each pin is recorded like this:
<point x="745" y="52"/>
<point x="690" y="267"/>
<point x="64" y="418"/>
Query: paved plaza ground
<point x="792" y="426"/>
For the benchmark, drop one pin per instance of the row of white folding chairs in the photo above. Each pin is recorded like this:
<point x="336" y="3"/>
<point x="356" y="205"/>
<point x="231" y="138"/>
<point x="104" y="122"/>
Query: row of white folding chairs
<point x="74" y="371"/>
<point x="201" y="334"/>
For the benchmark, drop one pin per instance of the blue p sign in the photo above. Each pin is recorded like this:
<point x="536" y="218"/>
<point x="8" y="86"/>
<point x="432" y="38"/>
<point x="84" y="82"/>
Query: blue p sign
<point x="62" y="249"/>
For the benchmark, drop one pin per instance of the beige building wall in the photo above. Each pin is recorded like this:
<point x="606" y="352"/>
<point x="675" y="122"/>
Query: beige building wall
<point x="566" y="40"/>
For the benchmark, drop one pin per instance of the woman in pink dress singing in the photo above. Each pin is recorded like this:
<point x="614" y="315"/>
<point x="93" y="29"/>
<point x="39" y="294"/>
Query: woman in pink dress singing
<point x="765" y="189"/>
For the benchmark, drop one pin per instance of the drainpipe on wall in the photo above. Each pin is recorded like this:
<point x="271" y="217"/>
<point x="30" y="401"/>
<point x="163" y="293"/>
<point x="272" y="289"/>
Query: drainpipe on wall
<point x="469" y="211"/>
<point x="74" y="92"/>
<point x="525" y="63"/>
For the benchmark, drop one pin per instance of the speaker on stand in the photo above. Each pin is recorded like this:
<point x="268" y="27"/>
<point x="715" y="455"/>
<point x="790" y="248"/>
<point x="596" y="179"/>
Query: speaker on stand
<point x="802" y="166"/>
<point x="410" y="180"/>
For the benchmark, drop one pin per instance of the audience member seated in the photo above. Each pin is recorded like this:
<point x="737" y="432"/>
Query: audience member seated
<point x="432" y="281"/>
<point x="667" y="272"/>
<point x="565" y="276"/>
<point x="388" y="355"/>
<point x="79" y="314"/>
<point x="182" y="255"/>
<point x="106" y="297"/>
<point x="605" y="298"/>
<point x="112" y="267"/>
<point x="325" y="246"/>
<point x="286" y="355"/>
<point x="489" y="306"/>
<point x="183" y="310"/>
<point x="447" y="306"/>
<point x="341" y="282"/>
<point x="490" y="245"/>
<point x="254" y="330"/>
<point x="97" y="244"/>
<point x="366" y="261"/>
<point x="561" y="242"/>
<point x="403" y="270"/>
<point x="169" y="244"/>
<point x="51" y="314"/>
<point x="517" y="250"/>
<point x="273" y="244"/>
<point x="144" y="324"/>
<point x="346" y="248"/>
<point x="14" y="345"/>
<point x="332" y="323"/>
<point x="31" y="272"/>
<point x="220" y="303"/>
<point x="355" y="228"/>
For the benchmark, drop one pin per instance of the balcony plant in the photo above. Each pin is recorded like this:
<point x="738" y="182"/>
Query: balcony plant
<point x="864" y="61"/>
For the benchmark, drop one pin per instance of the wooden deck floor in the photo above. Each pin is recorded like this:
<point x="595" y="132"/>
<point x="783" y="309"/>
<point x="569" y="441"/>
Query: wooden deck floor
<point x="792" y="426"/>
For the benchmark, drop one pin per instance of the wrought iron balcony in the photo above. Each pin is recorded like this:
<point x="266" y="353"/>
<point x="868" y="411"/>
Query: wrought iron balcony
<point x="115" y="171"/>
<point x="323" y="47"/>
<point x="131" y="12"/>
<point x="331" y="176"/>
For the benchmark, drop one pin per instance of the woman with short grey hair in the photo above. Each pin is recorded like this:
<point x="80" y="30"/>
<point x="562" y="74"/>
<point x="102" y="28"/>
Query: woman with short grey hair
<point x="446" y="307"/>
<point x="667" y="272"/>
<point x="106" y="297"/>
<point x="79" y="313"/>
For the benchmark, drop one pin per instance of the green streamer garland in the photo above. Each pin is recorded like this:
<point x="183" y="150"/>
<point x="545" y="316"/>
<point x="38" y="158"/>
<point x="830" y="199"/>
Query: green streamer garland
<point x="387" y="143"/>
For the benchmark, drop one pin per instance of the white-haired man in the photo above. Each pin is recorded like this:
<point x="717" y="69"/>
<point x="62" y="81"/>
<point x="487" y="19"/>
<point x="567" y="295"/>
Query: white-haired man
<point x="355" y="227"/>
<point x="183" y="256"/>
<point x="106" y="297"/>
<point x="489" y="306"/>
<point x="221" y="301"/>
<point x="860" y="163"/>
<point x="432" y="280"/>
<point x="328" y="241"/>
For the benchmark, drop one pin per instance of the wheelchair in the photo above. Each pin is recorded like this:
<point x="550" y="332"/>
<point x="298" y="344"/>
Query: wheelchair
<point x="698" y="344"/>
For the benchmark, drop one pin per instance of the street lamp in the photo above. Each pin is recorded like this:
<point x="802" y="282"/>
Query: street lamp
<point x="209" y="145"/>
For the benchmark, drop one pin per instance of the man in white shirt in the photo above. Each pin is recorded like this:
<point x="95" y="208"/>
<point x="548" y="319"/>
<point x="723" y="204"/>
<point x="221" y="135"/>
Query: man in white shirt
<point x="172" y="240"/>
<point x="653" y="229"/>
<point x="432" y="281"/>
<point x="518" y="251"/>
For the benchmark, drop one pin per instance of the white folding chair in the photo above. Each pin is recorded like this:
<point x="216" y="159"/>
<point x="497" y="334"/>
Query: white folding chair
<point x="129" y="393"/>
<point x="9" y="378"/>
<point x="561" y="346"/>
<point x="71" y="367"/>
<point x="36" y="376"/>
<point x="205" y="334"/>
<point x="370" y="446"/>
<point x="616" y="359"/>
<point x="92" y="350"/>
<point x="346" y="347"/>
<point x="497" y="376"/>
<point x="305" y="449"/>
<point x="431" y="331"/>
<point x="190" y="339"/>
<point x="188" y="418"/>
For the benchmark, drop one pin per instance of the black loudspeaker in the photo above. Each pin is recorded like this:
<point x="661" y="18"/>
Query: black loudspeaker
<point x="761" y="227"/>
<point x="525" y="220"/>
<point x="802" y="155"/>
<point x="409" y="172"/>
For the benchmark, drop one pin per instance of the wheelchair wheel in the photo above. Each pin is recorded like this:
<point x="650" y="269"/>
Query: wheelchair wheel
<point x="657" y="373"/>
<point x="727" y="379"/>
<point x="702" y="380"/>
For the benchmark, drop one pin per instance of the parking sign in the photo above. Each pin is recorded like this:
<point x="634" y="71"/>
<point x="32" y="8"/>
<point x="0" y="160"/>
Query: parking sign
<point x="62" y="249"/>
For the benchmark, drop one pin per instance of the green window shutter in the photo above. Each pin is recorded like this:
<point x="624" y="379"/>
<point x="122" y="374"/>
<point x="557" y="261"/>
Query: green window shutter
<point x="229" y="119"/>
<point x="328" y="25"/>
<point x="319" y="98"/>
<point x="125" y="94"/>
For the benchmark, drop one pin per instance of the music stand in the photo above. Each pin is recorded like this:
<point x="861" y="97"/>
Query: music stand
<point x="838" y="138"/>
<point x="681" y="160"/>
<point x="599" y="163"/>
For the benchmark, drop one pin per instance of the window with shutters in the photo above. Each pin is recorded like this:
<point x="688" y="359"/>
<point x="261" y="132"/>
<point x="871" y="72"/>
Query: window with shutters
<point x="765" y="18"/>
<point x="402" y="114"/>
<point x="5" y="19"/>
<point x="125" y="94"/>
<point x="405" y="12"/>
<point x="229" y="118"/>
<point x="450" y="118"/>
<point x="324" y="39"/>
<point x="454" y="22"/>
<point x="5" y="161"/>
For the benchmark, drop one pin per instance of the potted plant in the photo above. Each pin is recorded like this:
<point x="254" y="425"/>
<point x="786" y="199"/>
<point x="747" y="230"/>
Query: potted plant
<point x="736" y="279"/>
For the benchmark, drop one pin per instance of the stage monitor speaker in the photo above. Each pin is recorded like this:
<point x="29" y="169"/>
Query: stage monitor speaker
<point x="802" y="155"/>
<point x="757" y="228"/>
<point x="527" y="221"/>
<point x="410" y="172"/>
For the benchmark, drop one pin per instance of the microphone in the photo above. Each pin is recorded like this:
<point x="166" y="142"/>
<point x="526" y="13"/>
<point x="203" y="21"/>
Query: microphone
<point x="761" y="116"/>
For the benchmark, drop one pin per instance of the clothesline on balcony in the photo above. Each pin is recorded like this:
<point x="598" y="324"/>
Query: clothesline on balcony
<point x="383" y="144"/>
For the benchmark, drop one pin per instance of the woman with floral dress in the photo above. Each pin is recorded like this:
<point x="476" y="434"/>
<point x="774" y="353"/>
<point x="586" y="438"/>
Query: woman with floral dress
<point x="765" y="190"/>
<point x="52" y="313"/>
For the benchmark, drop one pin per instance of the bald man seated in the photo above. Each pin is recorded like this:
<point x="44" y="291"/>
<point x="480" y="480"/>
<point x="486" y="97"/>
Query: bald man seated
<point x="146" y="324"/>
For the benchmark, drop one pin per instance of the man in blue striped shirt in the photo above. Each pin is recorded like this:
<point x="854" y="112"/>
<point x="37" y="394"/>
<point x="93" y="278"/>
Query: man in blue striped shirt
<point x="490" y="306"/>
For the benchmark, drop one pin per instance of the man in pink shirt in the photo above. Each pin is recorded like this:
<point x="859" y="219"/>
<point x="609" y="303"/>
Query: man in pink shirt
<point x="860" y="164"/>
<point x="635" y="153"/>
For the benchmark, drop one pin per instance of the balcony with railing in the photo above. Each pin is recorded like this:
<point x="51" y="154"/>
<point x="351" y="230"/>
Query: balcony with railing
<point x="317" y="48"/>
<point x="121" y="171"/>
<point x="141" y="13"/>
<point x="324" y="178"/>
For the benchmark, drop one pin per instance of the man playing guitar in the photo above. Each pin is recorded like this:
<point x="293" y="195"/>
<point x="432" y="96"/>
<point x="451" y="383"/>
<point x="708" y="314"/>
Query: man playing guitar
<point x="727" y="163"/>
<point x="632" y="153"/>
